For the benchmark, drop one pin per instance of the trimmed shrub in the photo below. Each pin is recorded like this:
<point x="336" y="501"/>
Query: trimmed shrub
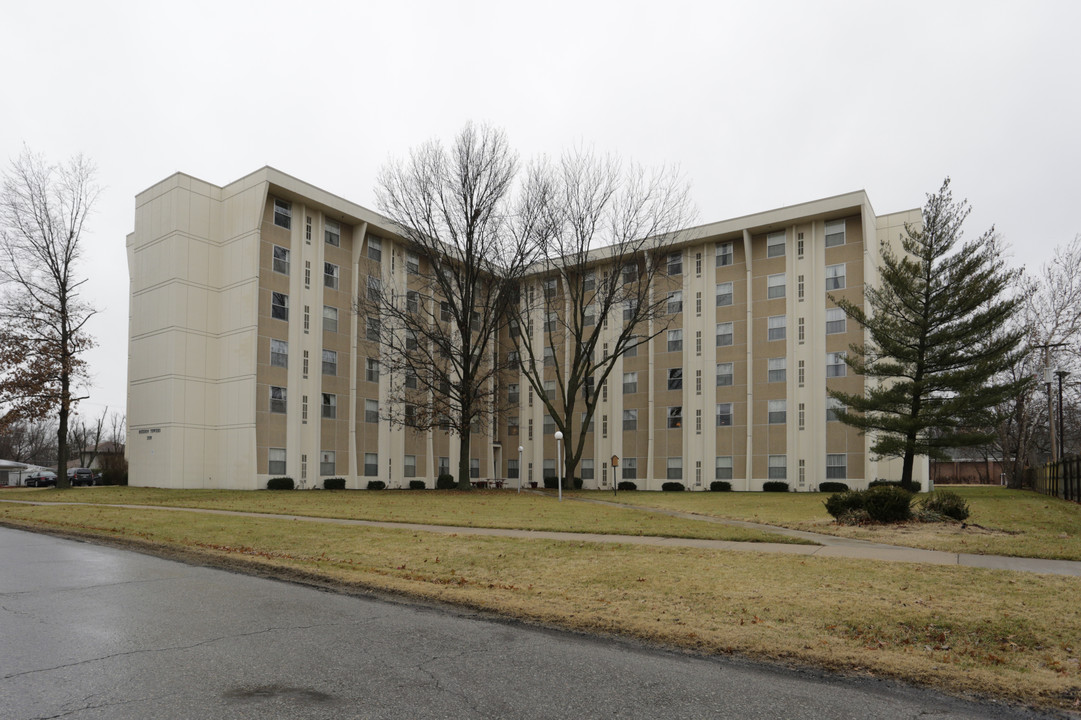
<point x="626" y="485"/>
<point x="445" y="482"/>
<point x="720" y="486"/>
<point x="775" y="486"/>
<point x="672" y="486"/>
<point x="552" y="483"/>
<point x="377" y="485"/>
<point x="842" y="504"/>
<point x="946" y="503"/>
<point x="417" y="485"/>
<point x="833" y="487"/>
<point x="334" y="484"/>
<point x="577" y="483"/>
<point x="887" y="503"/>
<point x="911" y="486"/>
<point x="280" y="483"/>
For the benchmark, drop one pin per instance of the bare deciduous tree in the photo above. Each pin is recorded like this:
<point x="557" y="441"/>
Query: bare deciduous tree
<point x="468" y="241"/>
<point x="30" y="442"/>
<point x="600" y="267"/>
<point x="43" y="211"/>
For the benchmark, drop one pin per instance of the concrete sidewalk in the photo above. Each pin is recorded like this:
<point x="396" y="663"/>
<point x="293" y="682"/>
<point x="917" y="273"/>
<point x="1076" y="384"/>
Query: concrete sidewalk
<point x="828" y="546"/>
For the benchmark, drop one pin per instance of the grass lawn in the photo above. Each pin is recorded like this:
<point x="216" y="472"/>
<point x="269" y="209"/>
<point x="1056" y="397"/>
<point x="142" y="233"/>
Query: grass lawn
<point x="1020" y="523"/>
<point x="1010" y="635"/>
<point x="481" y="508"/>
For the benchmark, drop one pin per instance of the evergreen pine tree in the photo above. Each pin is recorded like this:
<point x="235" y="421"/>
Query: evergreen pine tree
<point x="939" y="339"/>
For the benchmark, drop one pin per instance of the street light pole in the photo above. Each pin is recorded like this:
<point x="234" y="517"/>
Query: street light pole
<point x="1061" y="374"/>
<point x="1047" y="374"/>
<point x="520" y="451"/>
<point x="559" y="464"/>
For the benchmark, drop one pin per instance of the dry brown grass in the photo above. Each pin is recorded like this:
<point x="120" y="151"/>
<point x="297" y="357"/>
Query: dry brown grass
<point x="1018" y="523"/>
<point x="1012" y="635"/>
<point x="492" y="508"/>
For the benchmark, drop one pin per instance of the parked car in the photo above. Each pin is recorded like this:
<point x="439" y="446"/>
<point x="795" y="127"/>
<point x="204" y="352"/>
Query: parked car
<point x="80" y="476"/>
<point x="41" y="479"/>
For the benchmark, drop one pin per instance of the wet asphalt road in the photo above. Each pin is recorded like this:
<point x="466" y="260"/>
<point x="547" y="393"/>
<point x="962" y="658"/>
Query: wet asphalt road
<point x="96" y="632"/>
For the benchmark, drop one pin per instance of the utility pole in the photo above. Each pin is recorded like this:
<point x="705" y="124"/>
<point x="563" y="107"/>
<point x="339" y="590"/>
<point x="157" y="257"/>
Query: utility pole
<point x="1047" y="374"/>
<point x="1061" y="374"/>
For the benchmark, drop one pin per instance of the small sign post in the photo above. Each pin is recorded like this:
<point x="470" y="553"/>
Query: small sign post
<point x="615" y="475"/>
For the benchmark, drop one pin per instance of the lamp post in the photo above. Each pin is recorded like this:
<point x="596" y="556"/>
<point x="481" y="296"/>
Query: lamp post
<point x="520" y="451"/>
<point x="559" y="464"/>
<point x="1061" y="375"/>
<point x="1047" y="375"/>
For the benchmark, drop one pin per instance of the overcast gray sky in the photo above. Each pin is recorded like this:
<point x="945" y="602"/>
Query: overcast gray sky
<point x="760" y="104"/>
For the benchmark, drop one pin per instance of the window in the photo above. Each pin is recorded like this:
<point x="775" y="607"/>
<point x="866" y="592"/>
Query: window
<point x="305" y="368"/>
<point x="835" y="232"/>
<point x="549" y="286"/>
<point x="724" y="334"/>
<point x="832" y="406"/>
<point x="589" y="316"/>
<point x="276" y="461"/>
<point x="412" y="301"/>
<point x="587" y="469"/>
<point x="723" y="468"/>
<point x="724" y="294"/>
<point x="698" y="263"/>
<point x="512" y="393"/>
<point x="799" y="287"/>
<point x="698" y="421"/>
<point x="589" y="387"/>
<point x="474" y="467"/>
<point x="675" y="417"/>
<point x="802" y="372"/>
<point x="530" y="428"/>
<point x="410" y="339"/>
<point x="371" y="370"/>
<point x="802" y="415"/>
<point x="513" y="472"/>
<point x="778" y="467"/>
<point x="675" y="468"/>
<point x="835" y="364"/>
<point x="371" y="464"/>
<point x="308" y="238"/>
<point x="444" y="465"/>
<point x="283" y="214"/>
<point x="630" y="468"/>
<point x="835" y="321"/>
<point x="409" y="468"/>
<point x="775" y="244"/>
<point x="277" y="399"/>
<point x="372" y="327"/>
<point x="675" y="378"/>
<point x="724" y="414"/>
<point x="675" y="263"/>
<point x="307" y="273"/>
<point x="279" y="306"/>
<point x="589" y="282"/>
<point x="836" y="466"/>
<point x="630" y="383"/>
<point x="587" y="425"/>
<point x="697" y="342"/>
<point x="776" y="325"/>
<point x="330" y="406"/>
<point x="632" y="347"/>
<point x="549" y="470"/>
<point x="412" y="263"/>
<point x="801" y="330"/>
<point x="698" y="304"/>
<point x="410" y="415"/>
<point x="330" y="277"/>
<point x="279" y="353"/>
<point x="375" y="288"/>
<point x="512" y="358"/>
<point x="835" y="277"/>
<point x="332" y="233"/>
<point x="799" y="245"/>
<point x="375" y="248"/>
<point x="630" y="273"/>
<point x="551" y="322"/>
<point x="330" y="362"/>
<point x="630" y="420"/>
<point x="330" y="319"/>
<point x="725" y="373"/>
<point x="512" y="425"/>
<point x="630" y="309"/>
<point x="307" y="318"/>
<point x="281" y="260"/>
<point x="327" y="465"/>
<point x="444" y="311"/>
<point x="304" y="408"/>
<point x="675" y="341"/>
<point x="725" y="254"/>
<point x="775" y="286"/>
<point x="675" y="302"/>
<point x="777" y="369"/>
<point x="549" y="356"/>
<point x="549" y="424"/>
<point x="778" y="412"/>
<point x="371" y="411"/>
<point x="410" y="379"/>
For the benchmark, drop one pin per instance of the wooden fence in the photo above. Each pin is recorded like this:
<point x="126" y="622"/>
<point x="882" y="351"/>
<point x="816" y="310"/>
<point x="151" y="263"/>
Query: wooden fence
<point x="1061" y="479"/>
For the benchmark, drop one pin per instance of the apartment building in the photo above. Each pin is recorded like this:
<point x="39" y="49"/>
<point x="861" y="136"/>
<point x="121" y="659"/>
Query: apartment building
<point x="246" y="360"/>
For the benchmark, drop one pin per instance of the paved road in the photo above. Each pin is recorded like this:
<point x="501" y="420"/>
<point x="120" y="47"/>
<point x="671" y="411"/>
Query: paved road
<point x="96" y="632"/>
